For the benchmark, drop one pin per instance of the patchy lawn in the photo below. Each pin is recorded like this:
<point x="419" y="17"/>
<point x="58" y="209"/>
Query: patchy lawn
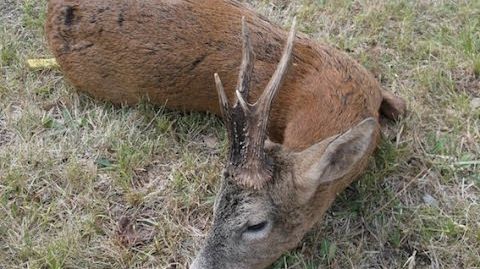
<point x="84" y="184"/>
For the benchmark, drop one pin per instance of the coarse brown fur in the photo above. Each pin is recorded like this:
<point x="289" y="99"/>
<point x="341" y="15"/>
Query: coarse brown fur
<point x="166" y="51"/>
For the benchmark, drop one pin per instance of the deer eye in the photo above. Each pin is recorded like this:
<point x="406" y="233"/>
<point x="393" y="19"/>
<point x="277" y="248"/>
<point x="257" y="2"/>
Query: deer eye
<point x="257" y="227"/>
<point x="257" y="231"/>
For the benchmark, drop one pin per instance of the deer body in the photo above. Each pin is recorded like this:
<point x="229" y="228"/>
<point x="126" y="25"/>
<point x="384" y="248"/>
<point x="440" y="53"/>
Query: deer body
<point x="166" y="51"/>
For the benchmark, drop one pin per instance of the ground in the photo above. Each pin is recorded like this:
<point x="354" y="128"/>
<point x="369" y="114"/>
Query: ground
<point x="84" y="184"/>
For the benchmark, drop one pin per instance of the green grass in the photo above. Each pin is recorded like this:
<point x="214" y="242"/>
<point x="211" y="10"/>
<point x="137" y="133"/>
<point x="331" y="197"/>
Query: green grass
<point x="84" y="184"/>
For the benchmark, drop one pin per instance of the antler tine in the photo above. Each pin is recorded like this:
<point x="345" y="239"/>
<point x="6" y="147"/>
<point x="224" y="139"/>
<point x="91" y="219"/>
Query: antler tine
<point x="265" y="101"/>
<point x="243" y="103"/>
<point x="246" y="68"/>
<point x="222" y="98"/>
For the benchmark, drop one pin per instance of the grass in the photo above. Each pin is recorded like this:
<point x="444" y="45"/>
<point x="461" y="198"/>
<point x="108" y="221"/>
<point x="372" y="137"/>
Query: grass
<point x="87" y="185"/>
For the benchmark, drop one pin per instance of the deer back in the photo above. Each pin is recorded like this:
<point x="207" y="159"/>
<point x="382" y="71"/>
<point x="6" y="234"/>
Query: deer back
<point x="167" y="51"/>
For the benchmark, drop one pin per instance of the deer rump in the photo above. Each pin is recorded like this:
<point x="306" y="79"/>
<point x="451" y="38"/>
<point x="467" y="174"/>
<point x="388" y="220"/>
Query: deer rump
<point x="167" y="51"/>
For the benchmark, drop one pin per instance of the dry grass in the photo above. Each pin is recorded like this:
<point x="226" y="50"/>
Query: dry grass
<point x="87" y="185"/>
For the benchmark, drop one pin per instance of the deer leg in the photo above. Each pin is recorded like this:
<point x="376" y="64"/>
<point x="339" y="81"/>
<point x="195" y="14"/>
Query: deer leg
<point x="392" y="107"/>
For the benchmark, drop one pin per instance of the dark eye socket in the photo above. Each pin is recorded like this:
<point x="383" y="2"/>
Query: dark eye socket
<point x="257" y="227"/>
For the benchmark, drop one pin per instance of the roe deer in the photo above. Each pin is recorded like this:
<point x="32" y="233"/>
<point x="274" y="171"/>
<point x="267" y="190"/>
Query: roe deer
<point x="290" y="153"/>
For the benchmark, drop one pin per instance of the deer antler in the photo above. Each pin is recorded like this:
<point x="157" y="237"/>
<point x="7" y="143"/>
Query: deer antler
<point x="247" y="123"/>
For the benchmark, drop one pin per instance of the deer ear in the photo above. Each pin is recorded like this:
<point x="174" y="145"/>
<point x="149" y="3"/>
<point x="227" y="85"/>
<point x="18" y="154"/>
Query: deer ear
<point x="334" y="157"/>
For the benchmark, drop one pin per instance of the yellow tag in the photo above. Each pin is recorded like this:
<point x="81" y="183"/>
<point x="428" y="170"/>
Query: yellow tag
<point x="42" y="63"/>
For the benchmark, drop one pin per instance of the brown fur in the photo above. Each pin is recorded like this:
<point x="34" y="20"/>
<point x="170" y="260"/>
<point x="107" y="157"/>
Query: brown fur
<point x="168" y="51"/>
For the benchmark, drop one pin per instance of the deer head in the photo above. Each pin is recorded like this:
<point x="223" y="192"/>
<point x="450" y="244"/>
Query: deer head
<point x="270" y="196"/>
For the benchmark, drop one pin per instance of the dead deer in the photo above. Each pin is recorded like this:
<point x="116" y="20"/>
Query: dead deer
<point x="298" y="133"/>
